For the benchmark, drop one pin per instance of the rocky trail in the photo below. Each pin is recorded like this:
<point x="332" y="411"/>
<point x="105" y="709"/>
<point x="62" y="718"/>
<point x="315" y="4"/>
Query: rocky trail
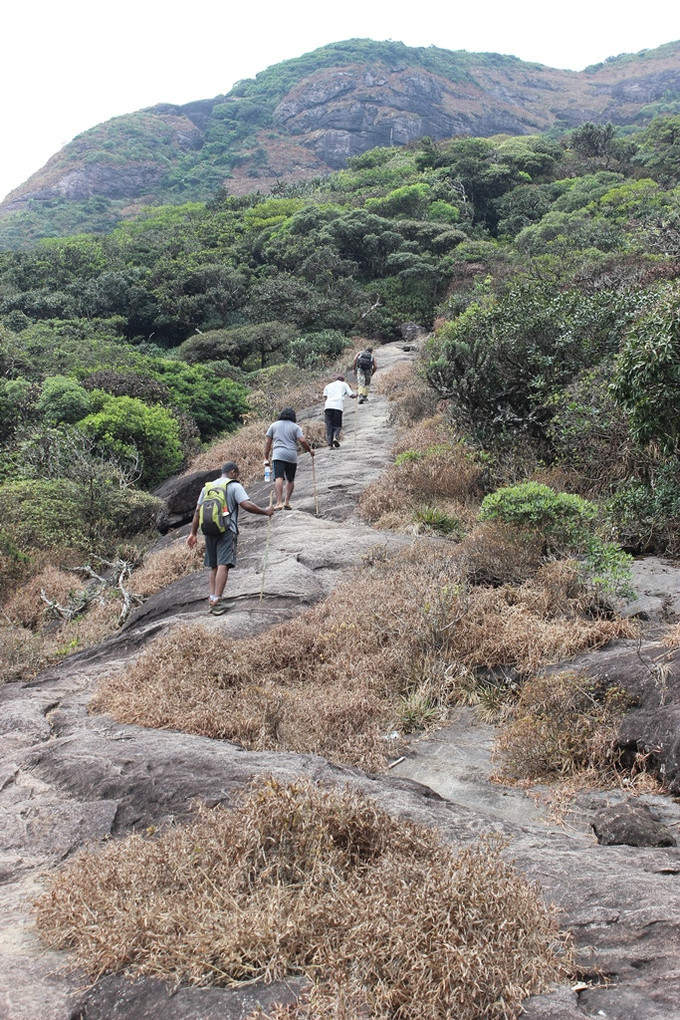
<point x="68" y="777"/>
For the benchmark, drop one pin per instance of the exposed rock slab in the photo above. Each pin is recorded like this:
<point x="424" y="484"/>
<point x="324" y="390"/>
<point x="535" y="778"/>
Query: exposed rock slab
<point x="68" y="778"/>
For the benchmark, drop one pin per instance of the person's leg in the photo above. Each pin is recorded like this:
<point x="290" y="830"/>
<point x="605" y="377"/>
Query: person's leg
<point x="226" y="558"/>
<point x="210" y="561"/>
<point x="279" y="471"/>
<point x="328" y="415"/>
<point x="361" y="385"/>
<point x="337" y="427"/>
<point x="290" y="483"/>
<point x="367" y="385"/>
<point x="222" y="573"/>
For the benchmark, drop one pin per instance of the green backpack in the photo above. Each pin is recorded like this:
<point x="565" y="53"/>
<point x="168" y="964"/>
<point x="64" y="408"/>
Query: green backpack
<point x="213" y="513"/>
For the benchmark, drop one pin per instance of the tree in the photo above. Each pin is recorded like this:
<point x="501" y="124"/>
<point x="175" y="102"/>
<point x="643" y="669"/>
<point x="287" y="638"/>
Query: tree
<point x="124" y="427"/>
<point x="647" y="378"/>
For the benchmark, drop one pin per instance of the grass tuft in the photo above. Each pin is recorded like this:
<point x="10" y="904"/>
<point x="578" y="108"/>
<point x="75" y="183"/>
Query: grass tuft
<point x="378" y="914"/>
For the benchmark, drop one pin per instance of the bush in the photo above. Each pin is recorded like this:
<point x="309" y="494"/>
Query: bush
<point x="565" y="521"/>
<point x="124" y="427"/>
<point x="63" y="400"/>
<point x="561" y="516"/>
<point x="647" y="379"/>
<point x="321" y="883"/>
<point x="314" y="349"/>
<point x="54" y="514"/>
<point x="17" y="404"/>
<point x="645" y="515"/>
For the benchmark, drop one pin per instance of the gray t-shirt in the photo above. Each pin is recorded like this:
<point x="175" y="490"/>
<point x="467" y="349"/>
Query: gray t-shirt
<point x="236" y="494"/>
<point x="285" y="435"/>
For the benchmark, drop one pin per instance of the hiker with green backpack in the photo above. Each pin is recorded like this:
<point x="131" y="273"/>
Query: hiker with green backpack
<point x="217" y="516"/>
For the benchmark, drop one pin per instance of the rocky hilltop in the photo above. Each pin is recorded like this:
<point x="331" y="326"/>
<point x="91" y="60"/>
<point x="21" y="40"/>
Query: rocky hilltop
<point x="306" y="116"/>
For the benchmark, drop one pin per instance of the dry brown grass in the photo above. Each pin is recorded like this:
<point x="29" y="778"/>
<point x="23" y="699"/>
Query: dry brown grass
<point x="21" y="653"/>
<point x="411" y="399"/>
<point x="336" y="679"/>
<point x="672" y="637"/>
<point x="32" y="637"/>
<point x="562" y="725"/>
<point x="382" y="917"/>
<point x="161" y="568"/>
<point x="432" y="467"/>
<point x="25" y="606"/>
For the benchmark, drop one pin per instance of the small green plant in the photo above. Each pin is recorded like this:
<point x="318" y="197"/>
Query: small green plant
<point x="438" y="521"/>
<point x="608" y="568"/>
<point x="408" y="457"/>
<point x="418" y="709"/>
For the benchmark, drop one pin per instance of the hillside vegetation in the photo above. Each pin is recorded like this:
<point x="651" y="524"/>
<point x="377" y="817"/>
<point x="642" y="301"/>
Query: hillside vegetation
<point x="547" y="268"/>
<point x="304" y="117"/>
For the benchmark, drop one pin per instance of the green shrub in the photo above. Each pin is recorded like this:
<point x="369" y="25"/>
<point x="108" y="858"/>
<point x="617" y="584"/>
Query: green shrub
<point x="124" y="426"/>
<point x="565" y="521"/>
<point x="645" y="514"/>
<point x="313" y="349"/>
<point x="63" y="399"/>
<point x="17" y="401"/>
<point x="47" y="514"/>
<point x="560" y="515"/>
<point x="647" y="379"/>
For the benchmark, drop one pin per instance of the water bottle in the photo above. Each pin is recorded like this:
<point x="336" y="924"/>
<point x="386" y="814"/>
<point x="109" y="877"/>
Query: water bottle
<point x="267" y="473"/>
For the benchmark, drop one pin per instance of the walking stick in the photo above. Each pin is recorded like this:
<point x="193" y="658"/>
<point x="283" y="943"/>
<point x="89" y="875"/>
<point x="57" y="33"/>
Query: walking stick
<point x="266" y="547"/>
<point x="316" y="494"/>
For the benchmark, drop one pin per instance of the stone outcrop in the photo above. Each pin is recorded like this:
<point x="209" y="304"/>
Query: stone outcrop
<point x="632" y="824"/>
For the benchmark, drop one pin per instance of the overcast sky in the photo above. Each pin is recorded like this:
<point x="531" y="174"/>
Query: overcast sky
<point x="69" y="64"/>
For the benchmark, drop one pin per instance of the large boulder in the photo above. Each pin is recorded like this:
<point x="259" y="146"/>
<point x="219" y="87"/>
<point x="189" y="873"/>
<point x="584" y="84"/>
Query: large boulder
<point x="180" y="494"/>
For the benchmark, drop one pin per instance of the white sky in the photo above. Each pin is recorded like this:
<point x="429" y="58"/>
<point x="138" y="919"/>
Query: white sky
<point x="69" y="64"/>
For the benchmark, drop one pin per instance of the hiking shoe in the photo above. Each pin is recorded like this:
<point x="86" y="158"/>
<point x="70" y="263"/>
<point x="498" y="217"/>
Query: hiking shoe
<point x="336" y="444"/>
<point x="218" y="608"/>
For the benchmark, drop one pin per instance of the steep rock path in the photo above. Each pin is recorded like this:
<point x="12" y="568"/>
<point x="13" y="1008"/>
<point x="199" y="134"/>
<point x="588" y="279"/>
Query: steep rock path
<point x="67" y="777"/>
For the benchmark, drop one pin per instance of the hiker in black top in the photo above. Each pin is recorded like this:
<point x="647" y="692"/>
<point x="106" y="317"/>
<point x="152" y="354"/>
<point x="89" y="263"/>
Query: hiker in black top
<point x="364" y="366"/>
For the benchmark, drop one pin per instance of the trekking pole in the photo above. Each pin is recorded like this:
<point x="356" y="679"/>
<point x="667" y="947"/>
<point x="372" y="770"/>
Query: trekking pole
<point x="316" y="494"/>
<point x="266" y="547"/>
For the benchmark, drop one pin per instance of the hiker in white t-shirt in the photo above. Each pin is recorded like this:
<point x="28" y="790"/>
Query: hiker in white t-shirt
<point x="335" y="394"/>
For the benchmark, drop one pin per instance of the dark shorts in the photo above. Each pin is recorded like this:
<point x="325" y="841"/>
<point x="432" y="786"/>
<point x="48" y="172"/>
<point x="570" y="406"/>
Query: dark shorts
<point x="284" y="469"/>
<point x="220" y="550"/>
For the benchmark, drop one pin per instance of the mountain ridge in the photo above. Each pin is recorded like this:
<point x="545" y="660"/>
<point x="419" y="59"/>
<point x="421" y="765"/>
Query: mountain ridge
<point x="307" y="116"/>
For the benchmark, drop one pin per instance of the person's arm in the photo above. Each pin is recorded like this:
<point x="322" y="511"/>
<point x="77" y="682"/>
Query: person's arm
<point x="267" y="448"/>
<point x="349" y="392"/>
<point x="375" y="366"/>
<point x="356" y="358"/>
<point x="253" y="508"/>
<point x="191" y="537"/>
<point x="305" y="445"/>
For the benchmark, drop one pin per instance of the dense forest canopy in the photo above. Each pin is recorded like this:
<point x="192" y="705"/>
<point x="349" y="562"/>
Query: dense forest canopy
<point x="548" y="267"/>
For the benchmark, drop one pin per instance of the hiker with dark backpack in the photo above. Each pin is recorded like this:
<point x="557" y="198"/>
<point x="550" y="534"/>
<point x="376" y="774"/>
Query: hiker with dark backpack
<point x="364" y="366"/>
<point x="217" y="516"/>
